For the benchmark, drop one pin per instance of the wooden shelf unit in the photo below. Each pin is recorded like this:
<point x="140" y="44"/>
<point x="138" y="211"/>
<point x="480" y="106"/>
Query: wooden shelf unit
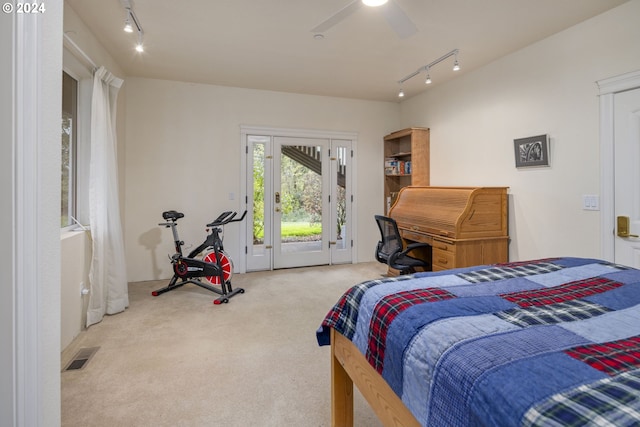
<point x="406" y="145"/>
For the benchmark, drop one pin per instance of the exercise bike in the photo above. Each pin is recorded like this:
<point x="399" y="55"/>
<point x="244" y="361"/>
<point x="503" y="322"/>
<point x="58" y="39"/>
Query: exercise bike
<point x="207" y="266"/>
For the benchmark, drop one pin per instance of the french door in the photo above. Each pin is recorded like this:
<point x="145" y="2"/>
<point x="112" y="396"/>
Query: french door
<point x="298" y="200"/>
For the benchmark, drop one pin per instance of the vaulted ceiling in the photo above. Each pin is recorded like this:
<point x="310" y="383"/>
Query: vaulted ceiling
<point x="270" y="45"/>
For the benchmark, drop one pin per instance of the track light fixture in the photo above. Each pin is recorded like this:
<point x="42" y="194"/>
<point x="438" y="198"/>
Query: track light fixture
<point x="127" y="25"/>
<point x="428" y="79"/>
<point x="132" y="23"/>
<point x="401" y="93"/>
<point x="426" y="68"/>
<point x="139" y="45"/>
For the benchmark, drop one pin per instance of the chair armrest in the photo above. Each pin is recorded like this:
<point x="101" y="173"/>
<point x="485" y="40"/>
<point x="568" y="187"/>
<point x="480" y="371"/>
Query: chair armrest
<point x="413" y="246"/>
<point x="378" y="258"/>
<point x="407" y="263"/>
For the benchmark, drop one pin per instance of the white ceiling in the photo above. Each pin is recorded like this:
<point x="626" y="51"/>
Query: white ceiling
<point x="268" y="44"/>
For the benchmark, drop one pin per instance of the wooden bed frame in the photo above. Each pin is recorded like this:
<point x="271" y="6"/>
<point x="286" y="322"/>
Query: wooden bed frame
<point x="349" y="366"/>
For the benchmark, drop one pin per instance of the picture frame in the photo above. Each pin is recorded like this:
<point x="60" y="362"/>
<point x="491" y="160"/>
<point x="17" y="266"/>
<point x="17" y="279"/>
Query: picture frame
<point x="531" y="151"/>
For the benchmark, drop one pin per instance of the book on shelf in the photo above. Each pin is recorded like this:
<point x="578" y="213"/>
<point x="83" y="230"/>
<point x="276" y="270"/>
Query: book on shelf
<point x="393" y="166"/>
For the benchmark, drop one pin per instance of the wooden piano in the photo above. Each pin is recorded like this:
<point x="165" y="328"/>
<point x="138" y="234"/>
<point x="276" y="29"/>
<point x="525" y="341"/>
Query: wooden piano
<point x="465" y="226"/>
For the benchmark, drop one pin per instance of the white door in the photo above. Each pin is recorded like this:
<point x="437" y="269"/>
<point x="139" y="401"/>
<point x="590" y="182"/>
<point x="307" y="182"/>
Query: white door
<point x="627" y="176"/>
<point x="299" y="201"/>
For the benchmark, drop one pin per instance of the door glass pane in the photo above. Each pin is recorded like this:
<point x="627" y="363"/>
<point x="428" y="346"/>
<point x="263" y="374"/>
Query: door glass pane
<point x="300" y="199"/>
<point x="258" y="146"/>
<point x="341" y="198"/>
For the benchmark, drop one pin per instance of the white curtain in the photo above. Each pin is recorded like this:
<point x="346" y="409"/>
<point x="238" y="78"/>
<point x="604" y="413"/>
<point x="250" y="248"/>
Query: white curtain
<point x="107" y="276"/>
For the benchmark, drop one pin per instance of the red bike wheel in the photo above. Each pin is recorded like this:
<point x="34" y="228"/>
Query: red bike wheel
<point x="225" y="263"/>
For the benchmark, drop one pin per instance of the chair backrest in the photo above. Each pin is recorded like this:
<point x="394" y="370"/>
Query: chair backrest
<point x="391" y="241"/>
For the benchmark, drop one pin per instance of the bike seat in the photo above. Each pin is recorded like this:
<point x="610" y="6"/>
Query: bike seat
<point x="172" y="215"/>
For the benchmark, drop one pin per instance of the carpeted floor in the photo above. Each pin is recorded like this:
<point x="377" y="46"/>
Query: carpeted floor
<point x="179" y="360"/>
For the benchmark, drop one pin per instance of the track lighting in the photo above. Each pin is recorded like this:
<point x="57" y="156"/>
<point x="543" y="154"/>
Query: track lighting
<point x="374" y="3"/>
<point x="456" y="67"/>
<point x="132" y="23"/>
<point x="401" y="93"/>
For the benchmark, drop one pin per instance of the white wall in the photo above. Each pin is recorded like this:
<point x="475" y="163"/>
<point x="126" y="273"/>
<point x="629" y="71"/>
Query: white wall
<point x="546" y="88"/>
<point x="184" y="151"/>
<point x="75" y="248"/>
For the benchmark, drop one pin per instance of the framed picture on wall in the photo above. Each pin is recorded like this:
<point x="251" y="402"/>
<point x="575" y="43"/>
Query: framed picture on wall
<point x="531" y="151"/>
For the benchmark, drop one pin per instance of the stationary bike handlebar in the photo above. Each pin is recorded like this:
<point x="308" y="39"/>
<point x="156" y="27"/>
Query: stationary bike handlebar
<point x="226" y="218"/>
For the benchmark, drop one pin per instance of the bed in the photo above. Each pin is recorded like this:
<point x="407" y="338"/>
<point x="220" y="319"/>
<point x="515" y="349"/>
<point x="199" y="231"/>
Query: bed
<point x="549" y="342"/>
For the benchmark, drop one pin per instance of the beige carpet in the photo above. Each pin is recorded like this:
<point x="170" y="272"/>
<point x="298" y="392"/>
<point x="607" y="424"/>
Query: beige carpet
<point x="179" y="360"/>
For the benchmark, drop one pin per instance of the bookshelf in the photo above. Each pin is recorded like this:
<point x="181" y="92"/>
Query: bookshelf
<point x="406" y="162"/>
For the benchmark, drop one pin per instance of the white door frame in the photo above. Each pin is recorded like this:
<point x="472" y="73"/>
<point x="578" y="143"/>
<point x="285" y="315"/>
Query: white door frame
<point x="607" y="90"/>
<point x="31" y="258"/>
<point x="296" y="133"/>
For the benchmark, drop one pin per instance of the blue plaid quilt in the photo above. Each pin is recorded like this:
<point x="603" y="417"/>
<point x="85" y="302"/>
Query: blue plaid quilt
<point x="550" y="342"/>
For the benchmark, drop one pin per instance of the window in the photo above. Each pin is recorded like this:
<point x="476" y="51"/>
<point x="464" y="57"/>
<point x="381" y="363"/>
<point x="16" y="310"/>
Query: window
<point x="69" y="150"/>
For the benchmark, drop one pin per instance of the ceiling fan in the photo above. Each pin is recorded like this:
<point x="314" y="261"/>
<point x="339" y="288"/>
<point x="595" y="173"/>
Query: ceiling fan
<point x="393" y="13"/>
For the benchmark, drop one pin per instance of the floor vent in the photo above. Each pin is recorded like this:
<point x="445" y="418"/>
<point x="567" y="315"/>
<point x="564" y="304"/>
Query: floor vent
<point x="81" y="359"/>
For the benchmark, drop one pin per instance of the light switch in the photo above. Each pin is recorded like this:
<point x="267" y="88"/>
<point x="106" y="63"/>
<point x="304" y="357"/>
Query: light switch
<point x="591" y="202"/>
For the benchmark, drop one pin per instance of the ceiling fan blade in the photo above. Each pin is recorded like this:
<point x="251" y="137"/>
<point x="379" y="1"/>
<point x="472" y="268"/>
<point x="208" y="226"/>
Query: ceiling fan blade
<point x="398" y="20"/>
<point x="337" y="17"/>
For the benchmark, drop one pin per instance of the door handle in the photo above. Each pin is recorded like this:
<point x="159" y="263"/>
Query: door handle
<point x="623" y="227"/>
<point x="277" y="209"/>
<point x="277" y="197"/>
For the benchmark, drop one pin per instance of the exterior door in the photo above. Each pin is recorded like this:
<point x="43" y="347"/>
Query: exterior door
<point x="299" y="200"/>
<point x="627" y="177"/>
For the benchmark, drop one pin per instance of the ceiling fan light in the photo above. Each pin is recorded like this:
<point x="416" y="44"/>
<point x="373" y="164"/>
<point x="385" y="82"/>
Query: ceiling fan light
<point x="374" y="3"/>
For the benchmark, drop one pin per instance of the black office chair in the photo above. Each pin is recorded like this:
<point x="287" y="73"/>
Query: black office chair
<point x="391" y="251"/>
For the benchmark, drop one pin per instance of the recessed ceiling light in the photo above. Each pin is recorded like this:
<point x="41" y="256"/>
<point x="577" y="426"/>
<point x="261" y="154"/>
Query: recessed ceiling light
<point x="318" y="36"/>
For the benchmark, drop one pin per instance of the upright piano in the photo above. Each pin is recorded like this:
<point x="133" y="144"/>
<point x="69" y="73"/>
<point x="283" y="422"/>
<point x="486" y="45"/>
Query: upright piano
<point x="464" y="226"/>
